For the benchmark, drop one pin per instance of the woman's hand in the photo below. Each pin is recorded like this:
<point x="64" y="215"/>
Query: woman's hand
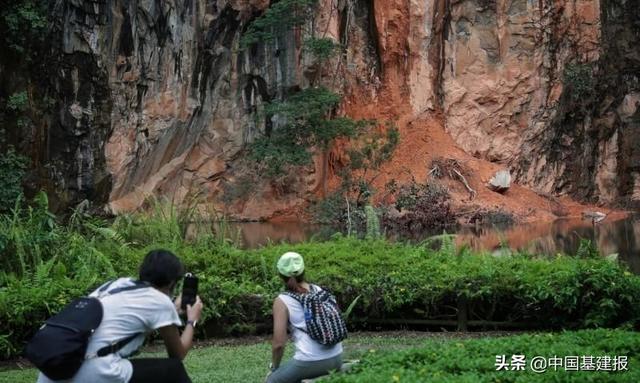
<point x="194" y="312"/>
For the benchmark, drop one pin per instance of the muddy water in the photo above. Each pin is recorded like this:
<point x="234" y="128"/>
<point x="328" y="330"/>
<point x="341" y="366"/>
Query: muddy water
<point x="620" y="237"/>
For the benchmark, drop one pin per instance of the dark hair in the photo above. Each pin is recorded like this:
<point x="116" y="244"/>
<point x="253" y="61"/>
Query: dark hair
<point x="161" y="268"/>
<point x="293" y="283"/>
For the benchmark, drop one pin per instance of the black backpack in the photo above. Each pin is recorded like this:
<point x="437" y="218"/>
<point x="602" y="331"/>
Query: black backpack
<point x="322" y="316"/>
<point x="58" y="348"/>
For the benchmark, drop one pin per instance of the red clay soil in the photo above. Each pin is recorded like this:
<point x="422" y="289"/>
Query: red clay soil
<point x="424" y="138"/>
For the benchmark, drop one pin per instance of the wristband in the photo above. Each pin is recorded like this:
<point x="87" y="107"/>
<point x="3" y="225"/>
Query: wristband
<point x="272" y="368"/>
<point x="192" y="323"/>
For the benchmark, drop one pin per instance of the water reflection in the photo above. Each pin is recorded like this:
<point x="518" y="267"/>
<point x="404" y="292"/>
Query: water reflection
<point x="620" y="237"/>
<point x="255" y="234"/>
<point x="562" y="236"/>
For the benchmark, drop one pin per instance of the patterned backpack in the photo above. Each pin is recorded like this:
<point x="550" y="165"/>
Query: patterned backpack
<point x="322" y="316"/>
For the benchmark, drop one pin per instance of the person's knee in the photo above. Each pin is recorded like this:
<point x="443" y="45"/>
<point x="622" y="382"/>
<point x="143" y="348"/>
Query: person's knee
<point x="281" y="375"/>
<point x="176" y="368"/>
<point x="176" y="364"/>
<point x="273" y="378"/>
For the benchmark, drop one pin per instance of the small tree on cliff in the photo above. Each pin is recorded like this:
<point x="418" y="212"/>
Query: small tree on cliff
<point x="23" y="24"/>
<point x="304" y="120"/>
<point x="279" y="18"/>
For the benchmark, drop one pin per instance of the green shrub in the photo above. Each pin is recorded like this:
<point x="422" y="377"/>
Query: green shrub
<point x="45" y="265"/>
<point x="475" y="360"/>
<point x="374" y="149"/>
<point x="279" y="18"/>
<point x="306" y="122"/>
<point x="28" y="237"/>
<point x="13" y="168"/>
<point x="373" y="222"/>
<point x="18" y="102"/>
<point x="587" y="249"/>
<point x="321" y="48"/>
<point x="26" y="302"/>
<point x="579" y="78"/>
<point x="366" y="154"/>
<point x="23" y="23"/>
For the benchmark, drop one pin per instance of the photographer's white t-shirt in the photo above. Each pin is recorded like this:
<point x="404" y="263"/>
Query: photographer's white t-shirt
<point x="125" y="314"/>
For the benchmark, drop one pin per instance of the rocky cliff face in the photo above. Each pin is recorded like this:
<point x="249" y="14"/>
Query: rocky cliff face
<point x="590" y="145"/>
<point x="155" y="97"/>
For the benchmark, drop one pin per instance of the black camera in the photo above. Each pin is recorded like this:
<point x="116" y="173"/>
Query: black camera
<point x="189" y="290"/>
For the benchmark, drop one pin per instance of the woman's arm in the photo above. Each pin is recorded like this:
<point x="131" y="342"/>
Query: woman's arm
<point x="280" y="322"/>
<point x="179" y="345"/>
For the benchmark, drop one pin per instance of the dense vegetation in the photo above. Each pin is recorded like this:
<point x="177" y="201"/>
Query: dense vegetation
<point x="474" y="361"/>
<point x="300" y="123"/>
<point x="46" y="264"/>
<point x="306" y="125"/>
<point x="23" y="30"/>
<point x="279" y="18"/>
<point x="12" y="171"/>
<point x="460" y="360"/>
<point x="23" y="24"/>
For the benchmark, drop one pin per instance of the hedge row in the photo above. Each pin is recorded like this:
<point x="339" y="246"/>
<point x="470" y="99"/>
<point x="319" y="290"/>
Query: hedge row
<point x="45" y="265"/>
<point x="491" y="360"/>
<point x="392" y="281"/>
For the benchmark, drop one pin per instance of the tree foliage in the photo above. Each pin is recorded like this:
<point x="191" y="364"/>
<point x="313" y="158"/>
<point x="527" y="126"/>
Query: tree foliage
<point x="579" y="78"/>
<point x="23" y="23"/>
<point x="375" y="149"/>
<point x="279" y="18"/>
<point x="302" y="121"/>
<point x="12" y="171"/>
<point x="18" y="102"/>
<point x="321" y="48"/>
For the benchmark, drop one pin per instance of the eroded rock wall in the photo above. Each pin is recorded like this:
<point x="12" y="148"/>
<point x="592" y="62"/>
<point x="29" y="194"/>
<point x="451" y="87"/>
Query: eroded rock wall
<point x="183" y="95"/>
<point x="186" y="94"/>
<point x="503" y="68"/>
<point x="590" y="148"/>
<point x="498" y="72"/>
<point x="156" y="97"/>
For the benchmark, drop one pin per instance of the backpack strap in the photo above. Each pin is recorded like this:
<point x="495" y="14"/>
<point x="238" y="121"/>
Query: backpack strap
<point x="136" y="285"/>
<point x="105" y="286"/>
<point x="118" y="345"/>
<point x="293" y="295"/>
<point x="298" y="298"/>
<point x="115" y="346"/>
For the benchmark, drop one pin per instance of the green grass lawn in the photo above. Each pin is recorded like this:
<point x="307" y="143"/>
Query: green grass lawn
<point x="249" y="362"/>
<point x="414" y="357"/>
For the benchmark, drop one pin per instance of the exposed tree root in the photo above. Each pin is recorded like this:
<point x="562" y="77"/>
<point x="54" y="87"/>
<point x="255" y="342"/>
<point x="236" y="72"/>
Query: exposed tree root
<point x="454" y="170"/>
<point x="472" y="193"/>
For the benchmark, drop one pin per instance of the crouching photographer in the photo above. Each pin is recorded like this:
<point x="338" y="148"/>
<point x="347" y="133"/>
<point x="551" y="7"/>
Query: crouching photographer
<point x="91" y="339"/>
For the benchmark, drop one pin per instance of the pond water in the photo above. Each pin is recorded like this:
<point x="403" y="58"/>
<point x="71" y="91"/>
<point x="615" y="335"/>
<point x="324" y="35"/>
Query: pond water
<point x="620" y="237"/>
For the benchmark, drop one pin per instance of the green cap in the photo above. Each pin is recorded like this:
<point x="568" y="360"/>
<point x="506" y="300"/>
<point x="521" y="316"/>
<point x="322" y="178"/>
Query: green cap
<point x="290" y="264"/>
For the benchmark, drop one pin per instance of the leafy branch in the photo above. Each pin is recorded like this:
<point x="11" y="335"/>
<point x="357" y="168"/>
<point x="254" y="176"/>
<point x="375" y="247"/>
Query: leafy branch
<point x="305" y="121"/>
<point x="278" y="19"/>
